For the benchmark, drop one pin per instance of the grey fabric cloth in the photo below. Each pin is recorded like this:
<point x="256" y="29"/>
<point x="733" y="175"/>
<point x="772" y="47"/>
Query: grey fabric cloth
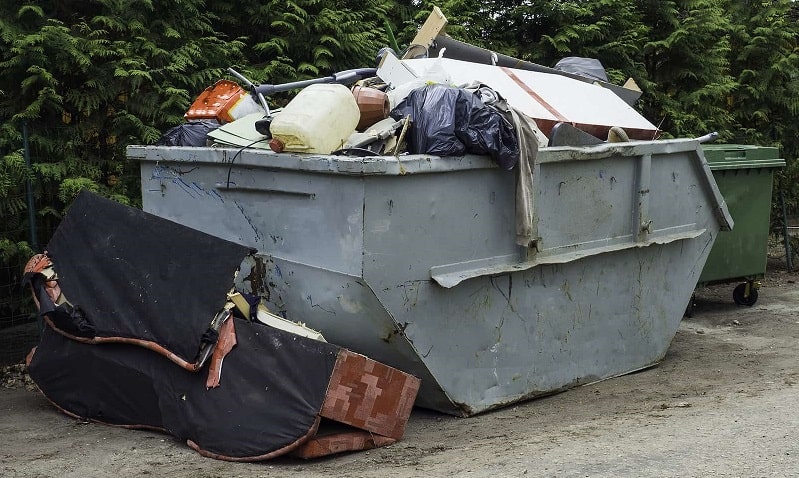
<point x="528" y="150"/>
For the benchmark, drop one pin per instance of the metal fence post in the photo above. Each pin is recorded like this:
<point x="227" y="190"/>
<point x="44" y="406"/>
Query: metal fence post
<point x="785" y="232"/>
<point x="29" y="189"/>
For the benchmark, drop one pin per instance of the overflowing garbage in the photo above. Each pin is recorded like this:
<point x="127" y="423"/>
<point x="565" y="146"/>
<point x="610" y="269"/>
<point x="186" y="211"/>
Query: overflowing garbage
<point x="499" y="229"/>
<point x="443" y="91"/>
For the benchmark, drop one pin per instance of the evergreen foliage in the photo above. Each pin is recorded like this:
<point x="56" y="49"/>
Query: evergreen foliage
<point x="765" y="63"/>
<point x="687" y="66"/>
<point x="89" y="77"/>
<point x="291" y="40"/>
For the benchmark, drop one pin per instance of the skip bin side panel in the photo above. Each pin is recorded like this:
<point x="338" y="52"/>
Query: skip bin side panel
<point x="414" y="221"/>
<point x="306" y="217"/>
<point x="306" y="224"/>
<point x="494" y="340"/>
<point x="349" y="314"/>
<point x="680" y="189"/>
<point x="582" y="205"/>
<point x="501" y="337"/>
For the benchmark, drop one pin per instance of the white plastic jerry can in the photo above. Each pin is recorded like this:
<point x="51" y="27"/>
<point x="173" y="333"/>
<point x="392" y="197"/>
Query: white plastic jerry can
<point x="318" y="120"/>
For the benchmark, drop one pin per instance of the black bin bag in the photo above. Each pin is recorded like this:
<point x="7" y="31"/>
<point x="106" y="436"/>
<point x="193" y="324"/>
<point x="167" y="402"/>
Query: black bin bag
<point x="448" y="121"/>
<point x="193" y="133"/>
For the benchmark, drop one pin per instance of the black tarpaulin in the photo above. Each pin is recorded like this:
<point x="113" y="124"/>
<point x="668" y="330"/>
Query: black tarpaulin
<point x="141" y="290"/>
<point x="273" y="386"/>
<point x="136" y="275"/>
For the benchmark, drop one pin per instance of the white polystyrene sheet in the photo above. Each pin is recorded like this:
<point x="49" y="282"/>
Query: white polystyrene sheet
<point x="576" y="101"/>
<point x="462" y="72"/>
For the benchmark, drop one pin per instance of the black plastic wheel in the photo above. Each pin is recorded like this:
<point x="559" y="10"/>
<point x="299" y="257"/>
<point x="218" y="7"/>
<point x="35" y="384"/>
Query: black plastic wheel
<point x="738" y="295"/>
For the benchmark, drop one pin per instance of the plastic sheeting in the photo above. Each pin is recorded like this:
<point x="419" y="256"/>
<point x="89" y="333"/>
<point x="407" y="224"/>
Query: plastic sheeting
<point x="585" y="67"/>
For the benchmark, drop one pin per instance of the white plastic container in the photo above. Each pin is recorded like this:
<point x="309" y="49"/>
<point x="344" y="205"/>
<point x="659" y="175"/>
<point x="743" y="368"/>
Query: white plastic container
<point x="318" y="120"/>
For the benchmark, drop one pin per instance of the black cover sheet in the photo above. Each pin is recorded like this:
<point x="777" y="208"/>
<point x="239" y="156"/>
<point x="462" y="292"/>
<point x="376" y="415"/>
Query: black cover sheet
<point x="272" y="389"/>
<point x="136" y="275"/>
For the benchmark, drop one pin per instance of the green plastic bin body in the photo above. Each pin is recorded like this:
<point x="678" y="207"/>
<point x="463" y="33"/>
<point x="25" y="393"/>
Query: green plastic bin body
<point x="744" y="175"/>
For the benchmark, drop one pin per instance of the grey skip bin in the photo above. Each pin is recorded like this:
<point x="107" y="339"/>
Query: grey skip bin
<point x="413" y="261"/>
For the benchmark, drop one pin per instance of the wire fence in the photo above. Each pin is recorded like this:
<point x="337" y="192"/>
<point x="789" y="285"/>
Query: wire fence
<point x="29" y="215"/>
<point x="787" y="233"/>
<point x="19" y="326"/>
<point x="23" y="230"/>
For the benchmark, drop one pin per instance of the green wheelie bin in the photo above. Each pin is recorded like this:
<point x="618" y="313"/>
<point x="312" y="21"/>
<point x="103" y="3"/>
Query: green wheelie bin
<point x="744" y="174"/>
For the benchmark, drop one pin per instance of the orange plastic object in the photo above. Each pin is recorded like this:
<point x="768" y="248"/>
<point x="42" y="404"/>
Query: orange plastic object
<point x="218" y="102"/>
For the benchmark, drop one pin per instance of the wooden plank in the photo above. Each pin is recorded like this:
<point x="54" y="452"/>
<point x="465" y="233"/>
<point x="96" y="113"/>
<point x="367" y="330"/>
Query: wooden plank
<point x="433" y="26"/>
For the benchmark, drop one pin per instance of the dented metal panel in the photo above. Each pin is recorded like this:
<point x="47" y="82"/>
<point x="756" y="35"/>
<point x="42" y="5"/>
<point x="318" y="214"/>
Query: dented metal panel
<point x="412" y="260"/>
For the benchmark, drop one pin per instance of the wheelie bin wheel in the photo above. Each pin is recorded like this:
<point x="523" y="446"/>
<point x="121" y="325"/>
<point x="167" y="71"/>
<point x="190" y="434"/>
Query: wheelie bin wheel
<point x="740" y="296"/>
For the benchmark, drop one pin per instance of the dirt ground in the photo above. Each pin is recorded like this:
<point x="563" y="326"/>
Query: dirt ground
<point x="724" y="402"/>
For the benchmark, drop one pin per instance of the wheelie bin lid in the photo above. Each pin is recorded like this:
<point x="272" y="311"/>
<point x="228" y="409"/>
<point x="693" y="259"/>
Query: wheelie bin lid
<point x="741" y="156"/>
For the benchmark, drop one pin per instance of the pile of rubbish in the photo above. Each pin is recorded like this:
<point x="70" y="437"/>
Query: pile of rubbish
<point x="145" y="329"/>
<point x="440" y="97"/>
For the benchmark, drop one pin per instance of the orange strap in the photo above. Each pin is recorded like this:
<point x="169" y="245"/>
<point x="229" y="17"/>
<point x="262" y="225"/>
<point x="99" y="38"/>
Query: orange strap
<point x="534" y="95"/>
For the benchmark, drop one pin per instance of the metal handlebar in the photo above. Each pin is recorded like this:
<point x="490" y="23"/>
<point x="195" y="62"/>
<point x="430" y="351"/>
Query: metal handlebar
<point x="342" y="77"/>
<point x="261" y="91"/>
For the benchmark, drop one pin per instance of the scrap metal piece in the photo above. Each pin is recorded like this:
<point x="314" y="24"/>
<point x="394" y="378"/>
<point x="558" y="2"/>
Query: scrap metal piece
<point x="565" y="134"/>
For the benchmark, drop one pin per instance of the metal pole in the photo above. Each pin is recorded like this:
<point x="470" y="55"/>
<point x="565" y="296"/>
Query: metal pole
<point x="29" y="189"/>
<point x="785" y="232"/>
